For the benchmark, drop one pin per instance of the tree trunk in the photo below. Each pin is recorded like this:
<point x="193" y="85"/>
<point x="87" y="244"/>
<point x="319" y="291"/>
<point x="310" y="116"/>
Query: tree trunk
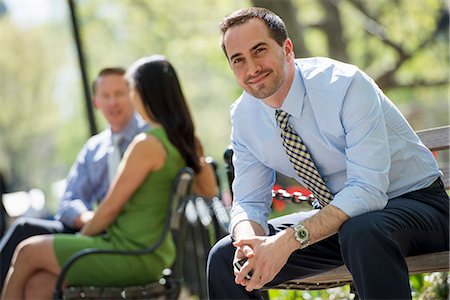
<point x="288" y="12"/>
<point x="332" y="28"/>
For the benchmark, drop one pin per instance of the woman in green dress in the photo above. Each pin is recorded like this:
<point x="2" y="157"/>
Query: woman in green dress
<point x="132" y="214"/>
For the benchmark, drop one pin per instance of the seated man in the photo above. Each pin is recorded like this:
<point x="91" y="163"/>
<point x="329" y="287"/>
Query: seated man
<point x="90" y="175"/>
<point x="327" y="125"/>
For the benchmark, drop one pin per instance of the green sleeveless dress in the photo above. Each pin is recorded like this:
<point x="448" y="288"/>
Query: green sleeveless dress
<point x="138" y="225"/>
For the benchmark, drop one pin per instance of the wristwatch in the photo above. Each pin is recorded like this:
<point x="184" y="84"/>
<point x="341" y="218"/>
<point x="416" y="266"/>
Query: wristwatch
<point x="301" y="234"/>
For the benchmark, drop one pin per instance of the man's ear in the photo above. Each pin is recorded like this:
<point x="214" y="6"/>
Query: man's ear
<point x="95" y="102"/>
<point x="288" y="49"/>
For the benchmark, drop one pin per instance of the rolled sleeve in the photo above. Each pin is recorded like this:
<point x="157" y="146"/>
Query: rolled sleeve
<point x="368" y="157"/>
<point x="70" y="211"/>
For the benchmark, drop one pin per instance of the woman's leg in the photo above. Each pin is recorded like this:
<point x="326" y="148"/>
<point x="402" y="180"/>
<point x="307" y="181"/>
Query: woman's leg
<point x="40" y="286"/>
<point x="32" y="255"/>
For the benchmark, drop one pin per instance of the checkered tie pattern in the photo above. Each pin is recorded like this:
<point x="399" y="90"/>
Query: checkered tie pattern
<point x="301" y="159"/>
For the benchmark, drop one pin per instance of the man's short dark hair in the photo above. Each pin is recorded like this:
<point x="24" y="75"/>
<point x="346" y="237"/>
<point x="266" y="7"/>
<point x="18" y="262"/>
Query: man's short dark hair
<point x="107" y="71"/>
<point x="277" y="29"/>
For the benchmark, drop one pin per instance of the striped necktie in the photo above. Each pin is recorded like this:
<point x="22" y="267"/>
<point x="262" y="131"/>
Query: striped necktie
<point x="301" y="160"/>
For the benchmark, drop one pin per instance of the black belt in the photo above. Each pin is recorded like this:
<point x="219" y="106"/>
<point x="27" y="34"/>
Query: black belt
<point x="437" y="183"/>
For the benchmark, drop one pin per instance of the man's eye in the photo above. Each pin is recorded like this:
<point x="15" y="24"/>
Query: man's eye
<point x="259" y="50"/>
<point x="237" y="60"/>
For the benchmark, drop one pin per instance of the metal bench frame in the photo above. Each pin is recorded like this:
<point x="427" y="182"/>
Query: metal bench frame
<point x="169" y="285"/>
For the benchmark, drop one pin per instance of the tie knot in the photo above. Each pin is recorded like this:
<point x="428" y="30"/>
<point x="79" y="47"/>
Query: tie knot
<point x="282" y="118"/>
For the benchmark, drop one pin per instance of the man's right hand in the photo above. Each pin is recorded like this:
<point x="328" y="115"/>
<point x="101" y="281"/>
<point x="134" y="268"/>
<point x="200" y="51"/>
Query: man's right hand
<point x="246" y="254"/>
<point x="83" y="219"/>
<point x="245" y="229"/>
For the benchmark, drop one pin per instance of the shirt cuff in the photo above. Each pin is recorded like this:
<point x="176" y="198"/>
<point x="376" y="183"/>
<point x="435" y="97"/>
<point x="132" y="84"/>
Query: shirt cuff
<point x="243" y="216"/>
<point x="70" y="213"/>
<point x="355" y="201"/>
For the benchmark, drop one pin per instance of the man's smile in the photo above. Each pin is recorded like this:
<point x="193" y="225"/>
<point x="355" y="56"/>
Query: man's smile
<point x="254" y="80"/>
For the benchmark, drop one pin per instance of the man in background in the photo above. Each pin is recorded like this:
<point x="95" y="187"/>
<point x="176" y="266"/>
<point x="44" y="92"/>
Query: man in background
<point x="93" y="171"/>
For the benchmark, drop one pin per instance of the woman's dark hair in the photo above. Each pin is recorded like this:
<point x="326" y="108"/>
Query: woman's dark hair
<point x="155" y="80"/>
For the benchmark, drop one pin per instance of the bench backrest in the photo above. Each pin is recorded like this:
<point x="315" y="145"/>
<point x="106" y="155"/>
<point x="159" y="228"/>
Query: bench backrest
<point x="436" y="139"/>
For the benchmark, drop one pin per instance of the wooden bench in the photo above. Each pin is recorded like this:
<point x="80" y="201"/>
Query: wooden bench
<point x="436" y="139"/>
<point x="169" y="286"/>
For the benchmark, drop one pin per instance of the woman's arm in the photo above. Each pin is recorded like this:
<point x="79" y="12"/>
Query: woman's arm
<point x="144" y="154"/>
<point x="205" y="183"/>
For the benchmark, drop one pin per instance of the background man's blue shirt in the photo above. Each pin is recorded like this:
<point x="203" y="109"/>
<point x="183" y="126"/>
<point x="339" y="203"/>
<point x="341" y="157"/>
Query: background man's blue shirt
<point x="87" y="182"/>
<point x="361" y="144"/>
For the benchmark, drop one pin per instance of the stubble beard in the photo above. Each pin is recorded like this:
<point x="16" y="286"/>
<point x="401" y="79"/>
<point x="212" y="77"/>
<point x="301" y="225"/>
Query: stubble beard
<point x="266" y="89"/>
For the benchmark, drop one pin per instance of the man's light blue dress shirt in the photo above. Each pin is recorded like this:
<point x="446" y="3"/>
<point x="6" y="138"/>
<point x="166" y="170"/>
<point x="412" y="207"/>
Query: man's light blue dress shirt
<point x="361" y="144"/>
<point x="87" y="182"/>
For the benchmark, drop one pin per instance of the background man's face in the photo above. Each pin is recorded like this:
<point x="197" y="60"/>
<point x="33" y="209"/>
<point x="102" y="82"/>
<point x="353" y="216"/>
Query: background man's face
<point x="112" y="98"/>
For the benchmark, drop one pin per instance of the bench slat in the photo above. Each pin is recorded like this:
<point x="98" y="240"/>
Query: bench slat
<point x="435" y="138"/>
<point x="425" y="263"/>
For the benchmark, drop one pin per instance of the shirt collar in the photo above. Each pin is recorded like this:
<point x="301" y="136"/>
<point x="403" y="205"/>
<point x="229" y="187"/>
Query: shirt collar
<point x="293" y="103"/>
<point x="128" y="132"/>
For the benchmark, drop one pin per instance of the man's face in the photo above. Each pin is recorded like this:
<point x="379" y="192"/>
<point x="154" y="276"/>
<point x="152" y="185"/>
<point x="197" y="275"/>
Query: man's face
<point x="112" y="98"/>
<point x="259" y="64"/>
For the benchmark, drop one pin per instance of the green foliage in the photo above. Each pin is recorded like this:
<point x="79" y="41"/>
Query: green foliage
<point x="29" y="114"/>
<point x="42" y="119"/>
<point x="339" y="293"/>
<point x="434" y="286"/>
<point x="187" y="34"/>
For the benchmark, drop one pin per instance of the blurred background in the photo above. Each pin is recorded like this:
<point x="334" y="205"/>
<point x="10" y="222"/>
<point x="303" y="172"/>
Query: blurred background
<point x="44" y="121"/>
<point x="402" y="44"/>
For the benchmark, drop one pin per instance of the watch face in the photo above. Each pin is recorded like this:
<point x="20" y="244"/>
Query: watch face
<point x="302" y="234"/>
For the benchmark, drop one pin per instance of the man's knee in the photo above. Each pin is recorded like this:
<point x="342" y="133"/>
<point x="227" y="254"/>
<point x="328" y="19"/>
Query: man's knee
<point x="24" y="226"/>
<point x="22" y="229"/>
<point x="28" y="227"/>
<point x="220" y="260"/>
<point x="221" y="252"/>
<point x="359" y="231"/>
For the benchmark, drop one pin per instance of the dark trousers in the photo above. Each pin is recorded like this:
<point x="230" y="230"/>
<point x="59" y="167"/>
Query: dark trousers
<point x="372" y="246"/>
<point x="20" y="230"/>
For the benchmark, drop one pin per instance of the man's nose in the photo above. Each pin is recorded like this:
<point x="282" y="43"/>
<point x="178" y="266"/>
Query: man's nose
<point x="253" y="67"/>
<point x="113" y="99"/>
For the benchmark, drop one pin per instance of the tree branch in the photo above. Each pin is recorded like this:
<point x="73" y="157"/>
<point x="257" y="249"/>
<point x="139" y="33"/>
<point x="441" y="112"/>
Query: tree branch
<point x="387" y="79"/>
<point x="421" y="83"/>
